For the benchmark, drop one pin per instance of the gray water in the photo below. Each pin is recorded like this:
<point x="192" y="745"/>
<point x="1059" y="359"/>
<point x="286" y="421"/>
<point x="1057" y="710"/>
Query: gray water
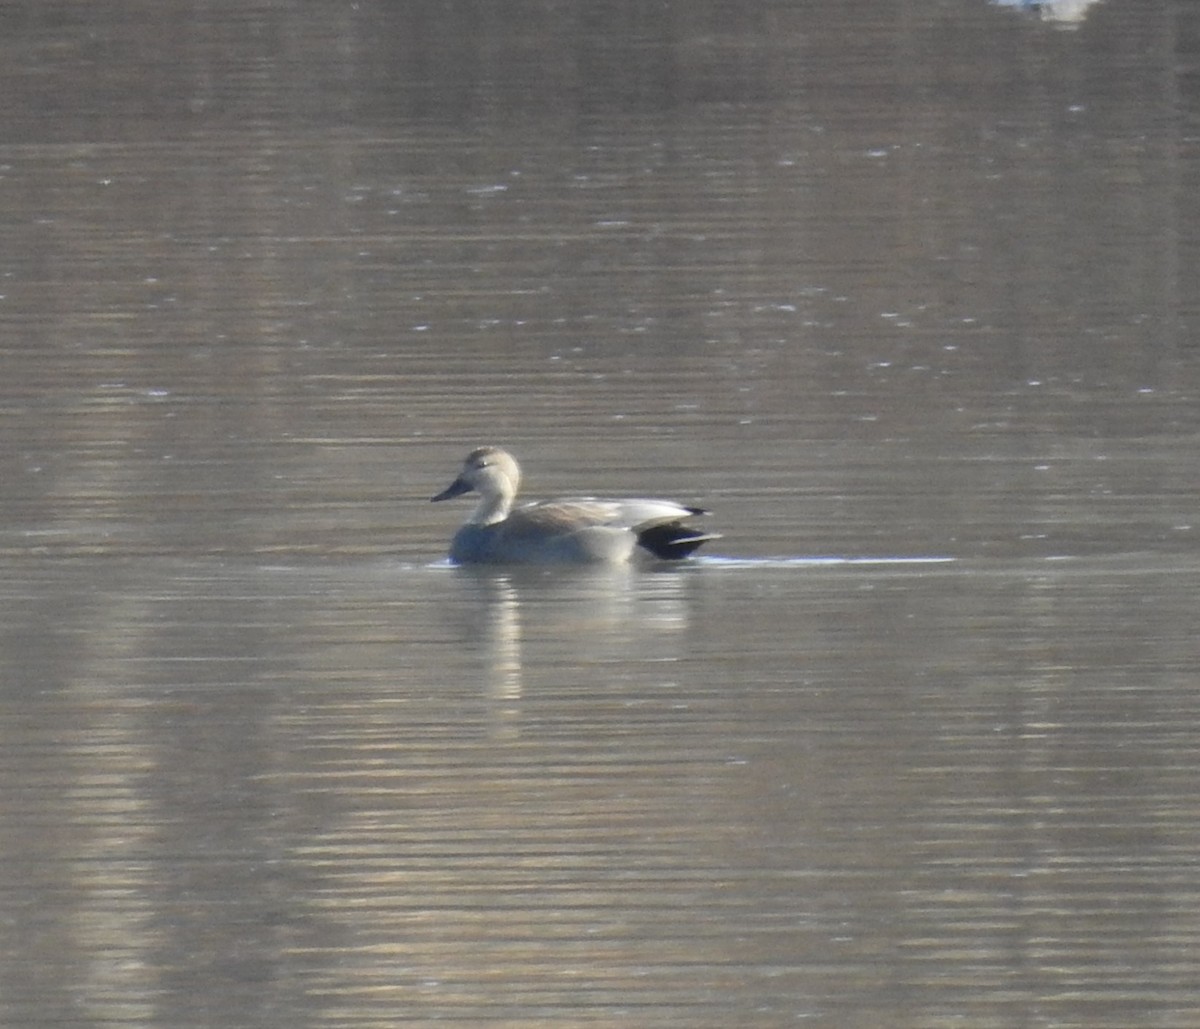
<point x="905" y="293"/>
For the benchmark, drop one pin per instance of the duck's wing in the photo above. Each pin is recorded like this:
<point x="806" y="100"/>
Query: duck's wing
<point x="568" y="514"/>
<point x="571" y="513"/>
<point x="606" y="529"/>
<point x="639" y="512"/>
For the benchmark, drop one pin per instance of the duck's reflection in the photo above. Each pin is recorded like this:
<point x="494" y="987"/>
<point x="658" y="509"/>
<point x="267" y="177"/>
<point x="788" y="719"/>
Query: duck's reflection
<point x="499" y="640"/>
<point x="565" y="628"/>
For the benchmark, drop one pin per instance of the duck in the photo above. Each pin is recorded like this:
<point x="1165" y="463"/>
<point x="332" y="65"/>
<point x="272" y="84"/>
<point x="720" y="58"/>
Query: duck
<point x="567" y="530"/>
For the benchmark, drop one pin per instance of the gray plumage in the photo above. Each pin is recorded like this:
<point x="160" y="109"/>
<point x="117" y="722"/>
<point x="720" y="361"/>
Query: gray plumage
<point x="573" y="530"/>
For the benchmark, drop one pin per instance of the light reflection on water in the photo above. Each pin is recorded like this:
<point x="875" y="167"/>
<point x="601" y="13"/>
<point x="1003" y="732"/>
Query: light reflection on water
<point x="685" y="795"/>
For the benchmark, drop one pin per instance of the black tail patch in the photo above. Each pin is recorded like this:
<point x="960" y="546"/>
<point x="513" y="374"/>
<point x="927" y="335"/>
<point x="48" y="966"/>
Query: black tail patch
<point x="673" y="540"/>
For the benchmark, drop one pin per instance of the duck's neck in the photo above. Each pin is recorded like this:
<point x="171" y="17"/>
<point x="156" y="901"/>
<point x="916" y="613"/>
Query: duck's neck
<point x="491" y="510"/>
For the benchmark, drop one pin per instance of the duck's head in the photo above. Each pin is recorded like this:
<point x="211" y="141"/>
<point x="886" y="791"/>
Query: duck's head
<point x="491" y="472"/>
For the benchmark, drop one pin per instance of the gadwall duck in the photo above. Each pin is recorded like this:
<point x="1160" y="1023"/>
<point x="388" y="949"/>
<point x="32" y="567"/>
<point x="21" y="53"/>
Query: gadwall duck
<point x="571" y="530"/>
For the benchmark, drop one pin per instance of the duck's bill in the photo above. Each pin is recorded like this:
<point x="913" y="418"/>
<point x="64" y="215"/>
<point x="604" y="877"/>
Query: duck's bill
<point x="455" y="489"/>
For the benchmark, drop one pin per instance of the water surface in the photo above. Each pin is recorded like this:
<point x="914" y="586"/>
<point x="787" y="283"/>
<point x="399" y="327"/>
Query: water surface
<point x="905" y="295"/>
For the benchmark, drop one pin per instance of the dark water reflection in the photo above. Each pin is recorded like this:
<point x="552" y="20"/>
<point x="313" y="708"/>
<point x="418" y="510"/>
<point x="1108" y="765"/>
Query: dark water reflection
<point x="885" y="283"/>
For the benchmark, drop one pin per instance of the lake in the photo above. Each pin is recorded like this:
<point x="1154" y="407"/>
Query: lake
<point x="906" y="294"/>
